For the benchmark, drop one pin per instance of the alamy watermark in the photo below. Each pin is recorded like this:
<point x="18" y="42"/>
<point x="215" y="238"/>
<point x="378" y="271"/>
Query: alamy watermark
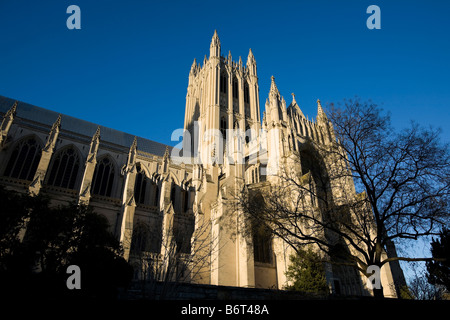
<point x="374" y="280"/>
<point x="74" y="280"/>
<point x="74" y="20"/>
<point x="374" y="20"/>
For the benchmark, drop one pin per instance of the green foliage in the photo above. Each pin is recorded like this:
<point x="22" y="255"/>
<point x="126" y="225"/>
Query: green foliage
<point x="35" y="261"/>
<point x="307" y="273"/>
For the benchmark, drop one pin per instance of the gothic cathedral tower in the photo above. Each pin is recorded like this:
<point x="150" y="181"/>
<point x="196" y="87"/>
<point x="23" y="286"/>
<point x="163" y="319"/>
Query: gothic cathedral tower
<point x="222" y="118"/>
<point x="222" y="95"/>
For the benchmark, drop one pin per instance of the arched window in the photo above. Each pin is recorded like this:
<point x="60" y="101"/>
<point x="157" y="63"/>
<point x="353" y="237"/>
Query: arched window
<point x="103" y="177"/>
<point x="139" y="188"/>
<point x="65" y="169"/>
<point x="24" y="160"/>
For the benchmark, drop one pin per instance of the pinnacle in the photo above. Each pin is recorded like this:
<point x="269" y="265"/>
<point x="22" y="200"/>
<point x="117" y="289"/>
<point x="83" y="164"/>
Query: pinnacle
<point x="320" y="112"/>
<point x="215" y="39"/>
<point x="319" y="106"/>
<point x="273" y="86"/>
<point x="251" y="57"/>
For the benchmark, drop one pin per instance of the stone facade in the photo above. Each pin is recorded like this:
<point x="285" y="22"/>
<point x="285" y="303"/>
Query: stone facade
<point x="135" y="181"/>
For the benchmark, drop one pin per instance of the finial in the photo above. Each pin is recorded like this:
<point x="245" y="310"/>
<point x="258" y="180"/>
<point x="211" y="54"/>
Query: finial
<point x="57" y="123"/>
<point x="14" y="107"/>
<point x="134" y="144"/>
<point x="96" y="134"/>
<point x="12" y="111"/>
<point x="166" y="153"/>
<point x="272" y="78"/>
<point x="293" y="98"/>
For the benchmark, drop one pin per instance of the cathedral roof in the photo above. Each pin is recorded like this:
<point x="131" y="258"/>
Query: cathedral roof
<point x="40" y="117"/>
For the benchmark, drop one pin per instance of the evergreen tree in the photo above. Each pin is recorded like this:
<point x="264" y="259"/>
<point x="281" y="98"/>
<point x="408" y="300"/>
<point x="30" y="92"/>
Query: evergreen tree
<point x="439" y="270"/>
<point x="306" y="273"/>
<point x="39" y="241"/>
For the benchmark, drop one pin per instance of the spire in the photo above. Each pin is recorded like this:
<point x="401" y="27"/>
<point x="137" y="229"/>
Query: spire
<point x="321" y="116"/>
<point x="6" y="123"/>
<point x="134" y="145"/>
<point x="54" y="132"/>
<point x="12" y="112"/>
<point x="251" y="63"/>
<point x="215" y="38"/>
<point x="166" y="159"/>
<point x="214" y="48"/>
<point x="96" y="135"/>
<point x="95" y="141"/>
<point x="132" y="154"/>
<point x="194" y="66"/>
<point x="251" y="57"/>
<point x="166" y="153"/>
<point x="273" y="86"/>
<point x="57" y="123"/>
<point x="294" y="107"/>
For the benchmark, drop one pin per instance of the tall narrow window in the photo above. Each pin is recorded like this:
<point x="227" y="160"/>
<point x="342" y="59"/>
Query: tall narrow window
<point x="24" y="160"/>
<point x="262" y="245"/>
<point x="185" y="197"/>
<point x="248" y="133"/>
<point x="172" y="195"/>
<point x="235" y="89"/>
<point x="156" y="199"/>
<point x="223" y="127"/>
<point x="139" y="188"/>
<point x="103" y="177"/>
<point x="65" y="169"/>
<point x="223" y="83"/>
<point x="246" y="93"/>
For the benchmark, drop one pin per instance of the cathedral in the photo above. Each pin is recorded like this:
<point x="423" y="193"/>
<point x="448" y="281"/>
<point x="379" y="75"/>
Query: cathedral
<point x="179" y="203"/>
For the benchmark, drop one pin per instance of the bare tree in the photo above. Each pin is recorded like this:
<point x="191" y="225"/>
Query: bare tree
<point x="354" y="196"/>
<point x="180" y="252"/>
<point x="420" y="288"/>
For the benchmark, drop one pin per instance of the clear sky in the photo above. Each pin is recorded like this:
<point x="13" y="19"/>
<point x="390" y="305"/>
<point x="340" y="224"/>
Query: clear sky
<point x="127" y="68"/>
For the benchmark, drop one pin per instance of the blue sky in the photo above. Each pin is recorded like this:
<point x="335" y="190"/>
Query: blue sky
<point x="127" y="68"/>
